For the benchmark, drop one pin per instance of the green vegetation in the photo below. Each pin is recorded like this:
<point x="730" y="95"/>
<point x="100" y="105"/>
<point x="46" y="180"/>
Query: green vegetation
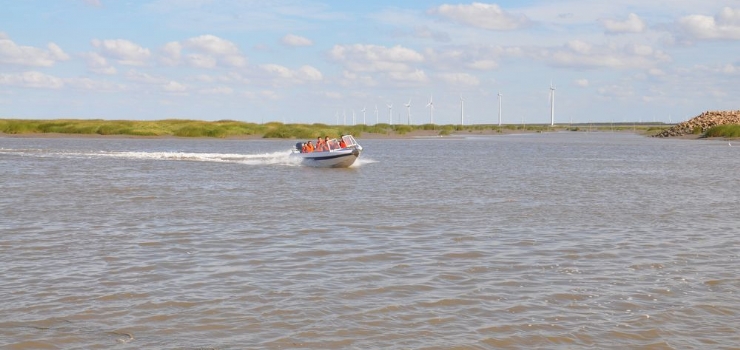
<point x="726" y="130"/>
<point x="230" y="128"/>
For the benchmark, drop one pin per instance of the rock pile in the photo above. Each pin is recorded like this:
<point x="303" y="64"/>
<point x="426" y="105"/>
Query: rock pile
<point x="702" y="122"/>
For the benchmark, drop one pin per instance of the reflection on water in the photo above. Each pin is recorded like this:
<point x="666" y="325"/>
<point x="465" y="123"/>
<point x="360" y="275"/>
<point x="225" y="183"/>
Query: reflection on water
<point x="563" y="240"/>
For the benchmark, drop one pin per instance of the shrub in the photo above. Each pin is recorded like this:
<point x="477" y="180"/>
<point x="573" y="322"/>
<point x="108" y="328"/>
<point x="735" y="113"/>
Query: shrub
<point x="727" y="130"/>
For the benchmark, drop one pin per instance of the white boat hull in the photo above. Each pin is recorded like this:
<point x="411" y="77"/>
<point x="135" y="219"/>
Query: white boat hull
<point x="334" y="158"/>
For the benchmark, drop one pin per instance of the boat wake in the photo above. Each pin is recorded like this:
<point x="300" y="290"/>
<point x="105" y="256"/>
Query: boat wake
<point x="362" y="161"/>
<point x="274" y="158"/>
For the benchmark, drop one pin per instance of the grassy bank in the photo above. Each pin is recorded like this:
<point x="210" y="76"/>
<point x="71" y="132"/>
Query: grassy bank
<point x="235" y="129"/>
<point x="727" y="131"/>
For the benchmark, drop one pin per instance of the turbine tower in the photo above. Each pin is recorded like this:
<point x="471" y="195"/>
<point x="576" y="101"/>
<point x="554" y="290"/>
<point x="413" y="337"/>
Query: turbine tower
<point x="376" y="114"/>
<point x="431" y="110"/>
<point x="344" y="115"/>
<point x="408" y="106"/>
<point x="499" y="108"/>
<point x="552" y="105"/>
<point x="462" y="111"/>
<point x="363" y="116"/>
<point x="390" y="114"/>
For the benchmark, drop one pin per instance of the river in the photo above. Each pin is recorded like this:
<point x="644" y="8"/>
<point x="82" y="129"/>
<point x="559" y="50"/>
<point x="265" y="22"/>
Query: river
<point x="555" y="240"/>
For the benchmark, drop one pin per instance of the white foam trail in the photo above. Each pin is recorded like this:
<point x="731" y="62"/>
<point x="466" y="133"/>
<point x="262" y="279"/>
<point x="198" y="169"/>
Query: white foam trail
<point x="274" y="158"/>
<point x="362" y="161"/>
<point x="281" y="158"/>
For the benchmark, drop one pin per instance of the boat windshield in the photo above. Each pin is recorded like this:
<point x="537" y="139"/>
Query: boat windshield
<point x="349" y="140"/>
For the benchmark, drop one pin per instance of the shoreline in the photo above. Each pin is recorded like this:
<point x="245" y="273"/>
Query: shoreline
<point x="426" y="134"/>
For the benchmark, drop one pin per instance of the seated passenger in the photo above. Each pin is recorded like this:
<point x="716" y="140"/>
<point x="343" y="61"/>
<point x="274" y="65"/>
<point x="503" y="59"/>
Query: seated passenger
<point x="321" y="145"/>
<point x="342" y="144"/>
<point x="309" y="147"/>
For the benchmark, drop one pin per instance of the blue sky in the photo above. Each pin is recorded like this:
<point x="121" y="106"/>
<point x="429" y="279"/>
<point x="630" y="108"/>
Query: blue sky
<point x="305" y="61"/>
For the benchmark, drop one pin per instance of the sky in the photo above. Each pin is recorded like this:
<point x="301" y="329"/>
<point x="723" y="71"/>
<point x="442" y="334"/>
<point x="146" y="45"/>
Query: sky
<point x="306" y="61"/>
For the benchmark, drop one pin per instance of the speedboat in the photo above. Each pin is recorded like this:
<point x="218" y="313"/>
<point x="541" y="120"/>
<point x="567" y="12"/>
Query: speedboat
<point x="335" y="157"/>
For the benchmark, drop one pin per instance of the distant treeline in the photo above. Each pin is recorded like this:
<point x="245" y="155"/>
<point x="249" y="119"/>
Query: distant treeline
<point x="230" y="128"/>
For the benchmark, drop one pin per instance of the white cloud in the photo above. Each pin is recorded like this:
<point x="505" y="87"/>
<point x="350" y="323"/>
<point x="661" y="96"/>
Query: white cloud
<point x="123" y="51"/>
<point x="205" y="51"/>
<point x="303" y="74"/>
<point x="480" y="15"/>
<point x="171" y="53"/>
<point x="309" y="73"/>
<point x="12" y="53"/>
<point x="278" y="70"/>
<point x="295" y="40"/>
<point x="98" y="64"/>
<point x="616" y="91"/>
<point x="235" y="60"/>
<point x="483" y="65"/>
<point x="581" y="82"/>
<point x="580" y="54"/>
<point x="261" y="95"/>
<point x="201" y="61"/>
<point x="212" y="44"/>
<point x="723" y="26"/>
<point x="731" y="69"/>
<point x="333" y="95"/>
<point x="459" y="79"/>
<point x="633" y="24"/>
<point x="32" y="79"/>
<point x="145" y="78"/>
<point x="366" y="80"/>
<point x="174" y="86"/>
<point x="375" y="53"/>
<point x="219" y="90"/>
<point x="426" y="32"/>
<point x="90" y="84"/>
<point x="56" y="52"/>
<point x="229" y="77"/>
<point x="416" y="76"/>
<point x="375" y="58"/>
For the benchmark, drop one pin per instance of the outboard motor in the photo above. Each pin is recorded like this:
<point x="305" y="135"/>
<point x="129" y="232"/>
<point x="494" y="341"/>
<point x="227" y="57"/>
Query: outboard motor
<point x="299" y="146"/>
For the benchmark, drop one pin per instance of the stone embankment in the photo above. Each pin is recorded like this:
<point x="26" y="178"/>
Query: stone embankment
<point x="702" y="123"/>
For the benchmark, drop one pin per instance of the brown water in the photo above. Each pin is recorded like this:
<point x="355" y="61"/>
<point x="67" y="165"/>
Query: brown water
<point x="557" y="241"/>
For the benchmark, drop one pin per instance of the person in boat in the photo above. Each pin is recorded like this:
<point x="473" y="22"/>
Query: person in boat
<point x="309" y="147"/>
<point x="330" y="144"/>
<point x="303" y="147"/>
<point x="342" y="144"/>
<point x="321" y="145"/>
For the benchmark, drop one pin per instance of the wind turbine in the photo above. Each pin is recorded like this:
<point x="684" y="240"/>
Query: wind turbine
<point x="499" y="108"/>
<point x="363" y="116"/>
<point x="376" y="114"/>
<point x="552" y="105"/>
<point x="390" y="114"/>
<point x="408" y="106"/>
<point x="431" y="110"/>
<point x="462" y="111"/>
